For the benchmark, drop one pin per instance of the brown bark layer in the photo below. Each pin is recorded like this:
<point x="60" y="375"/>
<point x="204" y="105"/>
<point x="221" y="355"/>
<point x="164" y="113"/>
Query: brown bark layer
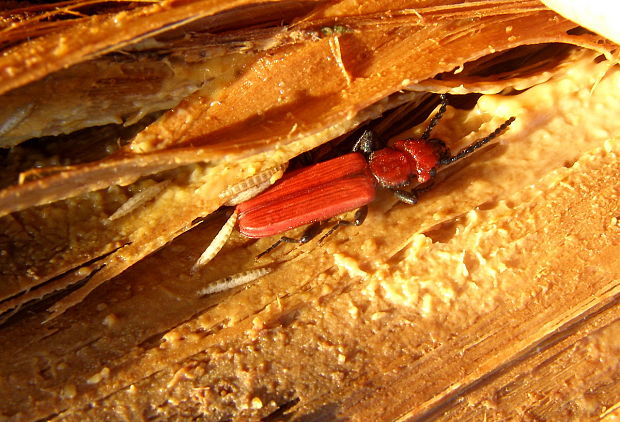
<point x="494" y="298"/>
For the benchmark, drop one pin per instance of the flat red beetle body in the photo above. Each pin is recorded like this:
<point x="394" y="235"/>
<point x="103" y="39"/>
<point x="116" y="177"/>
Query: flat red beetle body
<point x="325" y="190"/>
<point x="307" y="195"/>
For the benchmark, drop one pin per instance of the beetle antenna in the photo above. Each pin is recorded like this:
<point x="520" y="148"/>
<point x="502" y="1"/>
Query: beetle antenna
<point x="476" y="145"/>
<point x="436" y="117"/>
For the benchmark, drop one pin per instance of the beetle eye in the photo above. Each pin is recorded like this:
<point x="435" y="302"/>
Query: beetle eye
<point x="440" y="148"/>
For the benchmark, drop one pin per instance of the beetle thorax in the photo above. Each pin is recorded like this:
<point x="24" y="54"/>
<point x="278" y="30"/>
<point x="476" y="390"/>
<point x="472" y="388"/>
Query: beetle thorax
<point x="395" y="167"/>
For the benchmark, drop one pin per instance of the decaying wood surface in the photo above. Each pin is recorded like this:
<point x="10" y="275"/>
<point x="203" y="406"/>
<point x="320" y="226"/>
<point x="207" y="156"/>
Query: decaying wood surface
<point x="495" y="298"/>
<point x="322" y="87"/>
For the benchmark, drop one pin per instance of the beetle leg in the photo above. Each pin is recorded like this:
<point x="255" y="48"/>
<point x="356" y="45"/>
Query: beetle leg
<point x="358" y="219"/>
<point x="411" y="197"/>
<point x="311" y="232"/>
<point x="366" y="143"/>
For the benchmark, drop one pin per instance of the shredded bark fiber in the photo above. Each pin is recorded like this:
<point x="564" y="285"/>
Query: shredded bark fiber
<point x="127" y="125"/>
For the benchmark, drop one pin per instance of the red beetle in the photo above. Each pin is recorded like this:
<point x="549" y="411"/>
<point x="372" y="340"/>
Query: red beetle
<point x="321" y="191"/>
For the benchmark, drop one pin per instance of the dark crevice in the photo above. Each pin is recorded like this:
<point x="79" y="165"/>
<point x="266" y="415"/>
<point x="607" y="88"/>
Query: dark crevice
<point x="35" y="306"/>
